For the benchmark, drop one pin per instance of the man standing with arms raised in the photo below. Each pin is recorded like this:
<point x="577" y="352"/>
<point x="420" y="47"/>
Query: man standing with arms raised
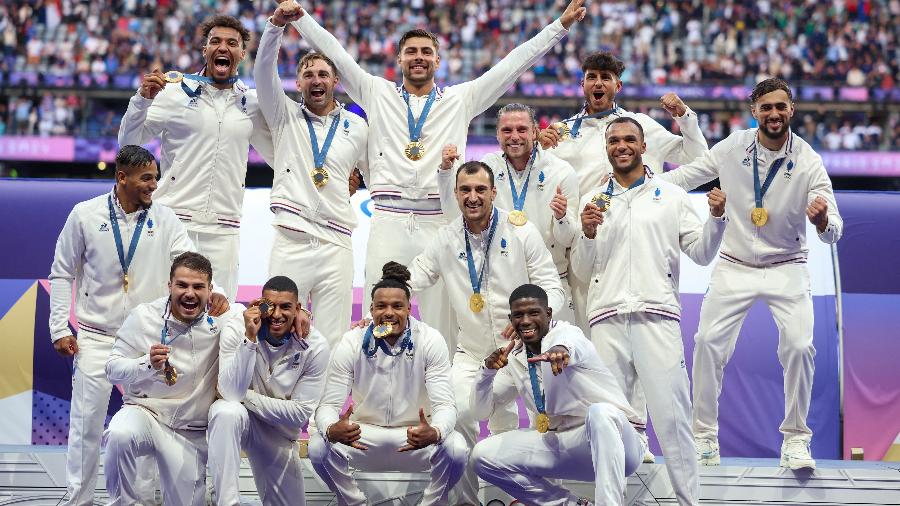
<point x="409" y="125"/>
<point x="205" y="123"/>
<point x="318" y="145"/>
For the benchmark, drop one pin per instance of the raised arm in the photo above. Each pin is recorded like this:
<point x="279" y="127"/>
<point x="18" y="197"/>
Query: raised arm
<point x="701" y="170"/>
<point x="700" y="242"/>
<point x="66" y="262"/>
<point x="682" y="148"/>
<point x="272" y="98"/>
<point x="145" y="117"/>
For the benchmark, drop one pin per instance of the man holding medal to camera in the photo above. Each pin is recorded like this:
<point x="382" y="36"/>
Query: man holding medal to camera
<point x="270" y="380"/>
<point x="205" y="123"/>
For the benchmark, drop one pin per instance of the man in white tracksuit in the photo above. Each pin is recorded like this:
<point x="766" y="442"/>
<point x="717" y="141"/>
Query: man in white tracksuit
<point x="270" y="381"/>
<point x="318" y="144"/>
<point x="166" y="356"/>
<point x="205" y="123"/>
<point x="482" y="258"/>
<point x="408" y="126"/>
<point x="397" y="373"/>
<point x="763" y="257"/>
<point x="586" y="432"/>
<point x="87" y="255"/>
<point x="633" y="232"/>
<point x="532" y="184"/>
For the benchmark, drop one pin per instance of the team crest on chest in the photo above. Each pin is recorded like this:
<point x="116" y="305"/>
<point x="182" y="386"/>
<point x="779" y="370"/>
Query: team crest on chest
<point x="657" y="194"/>
<point x="503" y="251"/>
<point x="746" y="161"/>
<point x="150" y="228"/>
<point x="788" y="170"/>
<point x="462" y="255"/>
<point x="104" y="227"/>
<point x="213" y="328"/>
<point x="501" y="175"/>
<point x="541" y="178"/>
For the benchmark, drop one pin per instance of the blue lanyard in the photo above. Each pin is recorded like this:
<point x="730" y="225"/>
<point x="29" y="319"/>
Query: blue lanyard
<point x="203" y="79"/>
<point x="165" y="330"/>
<point x="319" y="156"/>
<point x="602" y="114"/>
<point x="264" y="333"/>
<point x="609" y="187"/>
<point x="124" y="261"/>
<point x="476" y="279"/>
<point x="770" y="176"/>
<point x="519" y="199"/>
<point x="415" y="126"/>
<point x="405" y="344"/>
<point x="536" y="390"/>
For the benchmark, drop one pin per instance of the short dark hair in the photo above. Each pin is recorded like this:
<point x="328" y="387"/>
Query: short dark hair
<point x="281" y="284"/>
<point x="192" y="261"/>
<point x="603" y="60"/>
<point x="529" y="291"/>
<point x="767" y="86"/>
<point x="315" y="55"/>
<point x="627" y="119"/>
<point x="224" y="21"/>
<point x="516" y="107"/>
<point x="393" y="275"/>
<point x="474" y="167"/>
<point x="131" y="156"/>
<point x="418" y="32"/>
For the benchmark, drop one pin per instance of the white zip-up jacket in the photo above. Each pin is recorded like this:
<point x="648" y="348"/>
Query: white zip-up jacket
<point x="296" y="202"/>
<point x="584" y="382"/>
<point x="547" y="173"/>
<point x="633" y="263"/>
<point x="392" y="173"/>
<point x="278" y="385"/>
<point x="587" y="152"/>
<point x="517" y="256"/>
<point x="388" y="391"/>
<point x="801" y="178"/>
<point x="194" y="355"/>
<point x="86" y="256"/>
<point x="204" y="146"/>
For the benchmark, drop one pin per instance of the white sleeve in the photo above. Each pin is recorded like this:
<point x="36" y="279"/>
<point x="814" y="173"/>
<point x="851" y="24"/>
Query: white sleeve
<point x="425" y="269"/>
<point x="541" y="269"/>
<point x="143" y="120"/>
<point x="446" y="185"/>
<point x="128" y="362"/>
<point x="699" y="242"/>
<point x="437" y="382"/>
<point x="682" y="148"/>
<point x="66" y="264"/>
<point x="701" y="170"/>
<point x="237" y="359"/>
<point x="820" y="186"/>
<point x="493" y="389"/>
<point x="338" y="382"/>
<point x="271" y="95"/>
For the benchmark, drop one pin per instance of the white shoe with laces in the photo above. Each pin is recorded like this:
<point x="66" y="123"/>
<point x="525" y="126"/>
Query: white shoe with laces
<point x="707" y="451"/>
<point x="795" y="454"/>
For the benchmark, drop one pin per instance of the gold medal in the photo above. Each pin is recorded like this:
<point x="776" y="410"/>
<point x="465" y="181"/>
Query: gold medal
<point x="542" y="422"/>
<point x="266" y="307"/>
<point x="125" y="284"/>
<point x="518" y="218"/>
<point x="476" y="302"/>
<point x="319" y="177"/>
<point x="171" y="375"/>
<point x="602" y="201"/>
<point x="562" y="129"/>
<point x="173" y="76"/>
<point x="415" y="150"/>
<point x="382" y="330"/>
<point x="759" y="216"/>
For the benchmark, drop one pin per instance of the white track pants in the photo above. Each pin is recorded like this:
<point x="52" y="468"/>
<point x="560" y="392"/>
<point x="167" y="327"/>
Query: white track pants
<point x="323" y="272"/>
<point x="605" y="450"/>
<point x="180" y="455"/>
<point x="733" y="288"/>
<point x="333" y="462"/>
<point x="274" y="459"/>
<point x="223" y="252"/>
<point x="400" y="237"/>
<point x="647" y="349"/>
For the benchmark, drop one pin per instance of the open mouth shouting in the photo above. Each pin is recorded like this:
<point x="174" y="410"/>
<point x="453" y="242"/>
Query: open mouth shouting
<point x="222" y="65"/>
<point x="189" y="306"/>
<point x="317" y="92"/>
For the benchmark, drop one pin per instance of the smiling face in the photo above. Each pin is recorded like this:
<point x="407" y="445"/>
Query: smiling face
<point x="137" y="184"/>
<point x="418" y="60"/>
<point x="316" y="81"/>
<point x="516" y="134"/>
<point x="773" y="111"/>
<point x="391" y="305"/>
<point x="286" y="306"/>
<point x="475" y="195"/>
<point x="223" y="51"/>
<point x="530" y="319"/>
<point x="188" y="293"/>
<point x="624" y="147"/>
<point x="600" y="88"/>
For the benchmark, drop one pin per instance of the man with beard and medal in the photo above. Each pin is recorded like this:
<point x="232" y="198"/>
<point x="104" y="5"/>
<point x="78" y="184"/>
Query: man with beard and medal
<point x="205" y="123"/>
<point x="397" y="374"/>
<point x="584" y="425"/>
<point x="775" y="182"/>
<point x="115" y="248"/>
<point x="482" y="257"/>
<point x="630" y="250"/>
<point x="318" y="146"/>
<point x="533" y="185"/>
<point x="408" y="125"/>
<point x="270" y="381"/>
<point x="166" y="357"/>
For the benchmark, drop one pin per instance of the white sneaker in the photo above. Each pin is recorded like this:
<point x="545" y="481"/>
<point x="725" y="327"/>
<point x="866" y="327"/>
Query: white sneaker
<point x="707" y="451"/>
<point x="795" y="454"/>
<point x="649" y="458"/>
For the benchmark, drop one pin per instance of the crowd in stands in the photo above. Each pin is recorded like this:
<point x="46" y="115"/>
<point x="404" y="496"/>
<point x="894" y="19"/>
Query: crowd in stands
<point x="848" y="42"/>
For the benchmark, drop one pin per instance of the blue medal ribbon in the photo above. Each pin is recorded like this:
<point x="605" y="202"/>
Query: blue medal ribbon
<point x="319" y="155"/>
<point x="415" y="126"/>
<point x="758" y="191"/>
<point x="264" y="334"/>
<point x="602" y="114"/>
<point x="519" y="199"/>
<point x="536" y="391"/>
<point x="124" y="261"/>
<point x="371" y="349"/>
<point x="165" y="329"/>
<point x="203" y="79"/>
<point x="477" y="278"/>
<point x="609" y="187"/>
